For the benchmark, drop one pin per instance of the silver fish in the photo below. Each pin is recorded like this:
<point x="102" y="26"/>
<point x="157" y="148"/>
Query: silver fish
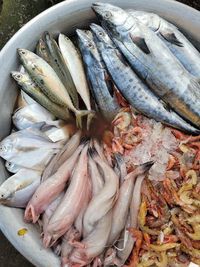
<point x="131" y="87"/>
<point x="30" y="88"/>
<point x="49" y="51"/>
<point x="178" y="44"/>
<point x="28" y="115"/>
<point x="122" y="205"/>
<point x="17" y="190"/>
<point x="101" y="87"/>
<point x="49" y="82"/>
<point x="28" y="148"/>
<point x="153" y="61"/>
<point x="73" y="60"/>
<point x="12" y="167"/>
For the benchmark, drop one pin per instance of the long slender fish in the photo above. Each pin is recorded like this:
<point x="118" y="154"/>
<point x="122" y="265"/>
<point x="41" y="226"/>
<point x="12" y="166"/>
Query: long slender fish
<point x="178" y="44"/>
<point x="132" y="88"/>
<point x="74" y="63"/>
<point x="49" y="50"/>
<point x="50" y="189"/>
<point x="31" y="88"/>
<point x="121" y="208"/>
<point x="49" y="212"/>
<point x="102" y="202"/>
<point x="67" y="151"/>
<point x="94" y="244"/>
<point x="153" y="61"/>
<point x="47" y="79"/>
<point x="134" y="207"/>
<point x="71" y="204"/>
<point x="101" y="86"/>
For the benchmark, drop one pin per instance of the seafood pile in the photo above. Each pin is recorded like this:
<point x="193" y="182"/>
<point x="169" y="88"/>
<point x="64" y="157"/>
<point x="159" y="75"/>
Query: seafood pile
<point x="121" y="187"/>
<point x="164" y="228"/>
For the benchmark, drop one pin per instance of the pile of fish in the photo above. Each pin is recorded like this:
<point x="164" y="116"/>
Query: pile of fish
<point x="141" y="72"/>
<point x="136" y="56"/>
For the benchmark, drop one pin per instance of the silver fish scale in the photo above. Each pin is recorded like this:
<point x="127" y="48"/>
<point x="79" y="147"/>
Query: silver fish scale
<point x="164" y="74"/>
<point x="105" y="101"/>
<point x="97" y="76"/>
<point x="179" y="45"/>
<point x="132" y="88"/>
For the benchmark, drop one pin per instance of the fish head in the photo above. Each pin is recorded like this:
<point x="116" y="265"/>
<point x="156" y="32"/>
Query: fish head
<point x="30" y="60"/>
<point x="21" y="78"/>
<point x="41" y="47"/>
<point x="87" y="44"/>
<point x="112" y="15"/>
<point x="4" y="194"/>
<point x="101" y="35"/>
<point x="23" y="54"/>
<point x="18" y="76"/>
<point x="12" y="167"/>
<point x="6" y="147"/>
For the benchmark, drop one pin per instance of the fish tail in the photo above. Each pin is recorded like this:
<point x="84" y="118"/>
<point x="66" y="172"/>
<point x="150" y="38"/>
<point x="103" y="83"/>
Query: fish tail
<point x="90" y="118"/>
<point x="79" y="114"/>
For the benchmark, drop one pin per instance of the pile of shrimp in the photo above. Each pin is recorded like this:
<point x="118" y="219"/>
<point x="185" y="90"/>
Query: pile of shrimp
<point x="168" y="221"/>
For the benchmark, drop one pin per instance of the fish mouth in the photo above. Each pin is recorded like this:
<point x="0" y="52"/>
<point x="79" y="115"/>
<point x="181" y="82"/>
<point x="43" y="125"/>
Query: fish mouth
<point x="85" y="36"/>
<point x="98" y="4"/>
<point x="99" y="8"/>
<point x="96" y="28"/>
<point x="21" y="51"/>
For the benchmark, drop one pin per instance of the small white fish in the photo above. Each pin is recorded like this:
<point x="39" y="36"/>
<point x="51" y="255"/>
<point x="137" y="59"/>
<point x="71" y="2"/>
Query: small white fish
<point x="17" y="190"/>
<point x="29" y="148"/>
<point x="74" y="63"/>
<point x="12" y="167"/>
<point x="28" y="115"/>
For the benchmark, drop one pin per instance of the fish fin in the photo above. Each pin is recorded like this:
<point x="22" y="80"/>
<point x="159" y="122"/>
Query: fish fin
<point x="90" y="118"/>
<point x="109" y="83"/>
<point x="92" y="152"/>
<point x="171" y="38"/>
<point x="140" y="42"/>
<point x="79" y="114"/>
<point x="84" y="140"/>
<point x="121" y="58"/>
<point x="165" y="105"/>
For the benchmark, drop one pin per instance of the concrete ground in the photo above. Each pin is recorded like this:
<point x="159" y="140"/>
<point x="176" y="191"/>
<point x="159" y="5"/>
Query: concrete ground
<point x="15" y="13"/>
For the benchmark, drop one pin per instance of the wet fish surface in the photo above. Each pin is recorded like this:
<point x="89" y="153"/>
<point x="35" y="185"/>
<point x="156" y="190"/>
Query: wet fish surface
<point x="32" y="89"/>
<point x="153" y="61"/>
<point x="178" y="44"/>
<point x="47" y="79"/>
<point x="132" y="88"/>
<point x="49" y="50"/>
<point x="102" y="90"/>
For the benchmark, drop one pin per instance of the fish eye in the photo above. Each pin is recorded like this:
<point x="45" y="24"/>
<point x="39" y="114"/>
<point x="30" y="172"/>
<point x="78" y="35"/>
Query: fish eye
<point x="18" y="76"/>
<point x="101" y="34"/>
<point x="107" y="15"/>
<point x="23" y="52"/>
<point x="90" y="45"/>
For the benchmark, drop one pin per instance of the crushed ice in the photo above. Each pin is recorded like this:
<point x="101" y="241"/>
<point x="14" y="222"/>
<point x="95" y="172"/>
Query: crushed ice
<point x="157" y="143"/>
